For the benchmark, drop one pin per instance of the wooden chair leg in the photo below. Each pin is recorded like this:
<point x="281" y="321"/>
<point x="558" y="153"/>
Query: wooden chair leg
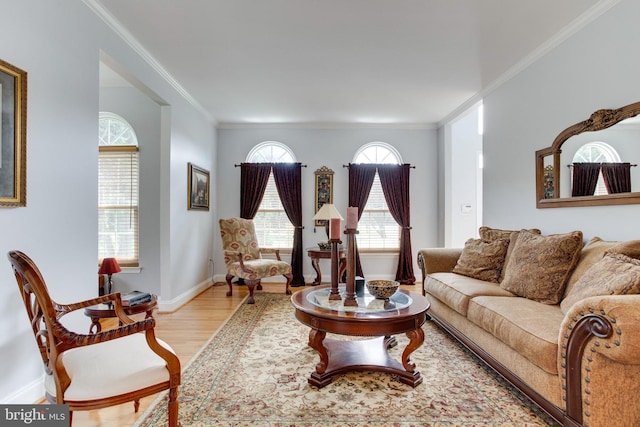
<point x="289" y="278"/>
<point x="228" y="278"/>
<point x="136" y="406"/>
<point x="173" y="407"/>
<point x="251" y="284"/>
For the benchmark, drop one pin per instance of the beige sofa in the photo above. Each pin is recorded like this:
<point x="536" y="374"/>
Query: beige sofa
<point x="577" y="358"/>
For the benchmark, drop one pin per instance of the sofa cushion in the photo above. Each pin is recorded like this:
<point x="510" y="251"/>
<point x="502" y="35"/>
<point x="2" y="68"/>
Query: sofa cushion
<point x="456" y="290"/>
<point x="630" y="248"/>
<point x="528" y="327"/>
<point x="541" y="265"/>
<point x="591" y="253"/>
<point x="615" y="274"/>
<point x="491" y="234"/>
<point x="481" y="259"/>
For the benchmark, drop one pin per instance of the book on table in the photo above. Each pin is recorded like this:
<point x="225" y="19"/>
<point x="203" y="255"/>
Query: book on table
<point x="135" y="297"/>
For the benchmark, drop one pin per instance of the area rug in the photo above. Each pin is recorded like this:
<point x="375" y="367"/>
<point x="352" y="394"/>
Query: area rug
<point x="254" y="371"/>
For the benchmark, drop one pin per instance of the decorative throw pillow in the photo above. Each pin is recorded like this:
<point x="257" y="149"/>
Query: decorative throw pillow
<point x="490" y="234"/>
<point x="591" y="253"/>
<point x="615" y="274"/>
<point x="540" y="266"/>
<point x="630" y="248"/>
<point x="481" y="259"/>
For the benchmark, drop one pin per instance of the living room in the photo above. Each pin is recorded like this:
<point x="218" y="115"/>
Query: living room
<point x="589" y="67"/>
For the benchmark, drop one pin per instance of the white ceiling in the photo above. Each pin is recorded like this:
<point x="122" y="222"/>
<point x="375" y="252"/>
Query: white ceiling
<point x="342" y="61"/>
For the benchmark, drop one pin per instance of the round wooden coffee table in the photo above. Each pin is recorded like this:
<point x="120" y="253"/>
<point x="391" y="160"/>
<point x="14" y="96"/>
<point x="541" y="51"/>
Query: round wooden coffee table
<point x="103" y="311"/>
<point x="404" y="313"/>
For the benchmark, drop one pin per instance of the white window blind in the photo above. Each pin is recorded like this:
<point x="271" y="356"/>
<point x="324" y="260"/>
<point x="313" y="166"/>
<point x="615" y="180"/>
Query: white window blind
<point x="377" y="229"/>
<point x="118" y="185"/>
<point x="273" y="227"/>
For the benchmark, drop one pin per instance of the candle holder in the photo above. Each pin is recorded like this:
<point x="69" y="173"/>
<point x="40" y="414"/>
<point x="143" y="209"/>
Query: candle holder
<point x="350" y="295"/>
<point x="334" y="295"/>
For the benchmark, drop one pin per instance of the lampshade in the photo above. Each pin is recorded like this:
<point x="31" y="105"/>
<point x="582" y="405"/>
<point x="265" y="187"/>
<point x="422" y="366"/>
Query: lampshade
<point x="327" y="211"/>
<point x="109" y="266"/>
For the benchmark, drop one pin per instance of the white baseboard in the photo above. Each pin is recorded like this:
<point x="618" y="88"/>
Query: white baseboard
<point x="28" y="394"/>
<point x="173" y="304"/>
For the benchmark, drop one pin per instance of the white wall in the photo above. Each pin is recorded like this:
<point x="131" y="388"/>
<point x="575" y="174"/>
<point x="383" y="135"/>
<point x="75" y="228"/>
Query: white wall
<point x="333" y="148"/>
<point x="59" y="45"/>
<point x="595" y="68"/>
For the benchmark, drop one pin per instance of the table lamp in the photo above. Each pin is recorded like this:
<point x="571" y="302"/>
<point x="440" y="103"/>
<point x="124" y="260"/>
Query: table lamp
<point x="109" y="266"/>
<point x="326" y="213"/>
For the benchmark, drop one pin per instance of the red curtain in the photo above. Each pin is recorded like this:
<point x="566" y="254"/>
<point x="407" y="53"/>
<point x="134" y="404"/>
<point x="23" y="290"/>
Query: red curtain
<point x="361" y="178"/>
<point x="253" y="182"/>
<point x="617" y="177"/>
<point x="288" y="178"/>
<point x="394" y="180"/>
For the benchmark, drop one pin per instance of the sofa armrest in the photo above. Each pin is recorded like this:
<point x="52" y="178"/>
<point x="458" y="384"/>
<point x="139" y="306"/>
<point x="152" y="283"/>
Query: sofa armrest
<point x="436" y="260"/>
<point x="600" y="358"/>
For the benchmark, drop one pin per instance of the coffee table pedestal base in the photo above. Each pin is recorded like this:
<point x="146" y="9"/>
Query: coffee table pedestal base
<point x="338" y="357"/>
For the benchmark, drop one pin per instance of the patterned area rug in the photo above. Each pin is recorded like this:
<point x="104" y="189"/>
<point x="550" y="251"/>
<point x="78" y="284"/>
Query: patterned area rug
<point x="254" y="371"/>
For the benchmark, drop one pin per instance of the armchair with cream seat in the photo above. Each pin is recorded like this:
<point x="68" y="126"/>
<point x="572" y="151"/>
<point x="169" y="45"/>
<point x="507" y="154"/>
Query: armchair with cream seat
<point x="243" y="259"/>
<point x="96" y="370"/>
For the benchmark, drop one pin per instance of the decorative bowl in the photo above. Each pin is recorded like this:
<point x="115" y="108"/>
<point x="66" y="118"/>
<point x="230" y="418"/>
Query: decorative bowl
<point x="324" y="245"/>
<point x="382" y="289"/>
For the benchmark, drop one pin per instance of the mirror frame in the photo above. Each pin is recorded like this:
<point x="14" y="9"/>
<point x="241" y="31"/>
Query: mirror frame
<point x="599" y="120"/>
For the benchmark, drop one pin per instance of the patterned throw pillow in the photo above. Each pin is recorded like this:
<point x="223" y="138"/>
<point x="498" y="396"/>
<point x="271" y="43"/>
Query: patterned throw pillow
<point x="630" y="248"/>
<point x="490" y="234"/>
<point x="540" y="266"/>
<point x="615" y="274"/>
<point x="482" y="260"/>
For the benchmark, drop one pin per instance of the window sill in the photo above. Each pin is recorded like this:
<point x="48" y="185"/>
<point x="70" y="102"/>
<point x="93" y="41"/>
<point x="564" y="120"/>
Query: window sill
<point x="131" y="270"/>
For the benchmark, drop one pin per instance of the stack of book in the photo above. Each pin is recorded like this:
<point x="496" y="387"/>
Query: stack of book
<point x="135" y="297"/>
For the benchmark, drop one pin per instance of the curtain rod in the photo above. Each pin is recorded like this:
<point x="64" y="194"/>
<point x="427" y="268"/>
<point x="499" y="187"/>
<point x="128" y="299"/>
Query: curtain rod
<point x="237" y="166"/>
<point x="346" y="166"/>
<point x="632" y="165"/>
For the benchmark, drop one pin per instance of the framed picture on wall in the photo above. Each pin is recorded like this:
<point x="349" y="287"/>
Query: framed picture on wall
<point x="324" y="190"/>
<point x="13" y="134"/>
<point x="198" y="188"/>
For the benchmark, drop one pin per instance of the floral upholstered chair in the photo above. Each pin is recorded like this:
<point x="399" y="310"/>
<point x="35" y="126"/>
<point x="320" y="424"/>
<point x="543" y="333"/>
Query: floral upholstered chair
<point x="243" y="259"/>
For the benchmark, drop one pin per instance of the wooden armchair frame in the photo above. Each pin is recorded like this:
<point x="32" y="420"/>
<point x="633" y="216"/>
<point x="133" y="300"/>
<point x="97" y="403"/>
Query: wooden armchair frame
<point x="54" y="340"/>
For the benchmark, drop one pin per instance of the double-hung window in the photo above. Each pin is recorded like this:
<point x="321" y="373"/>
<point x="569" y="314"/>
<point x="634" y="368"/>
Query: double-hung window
<point x="377" y="230"/>
<point x="118" y="182"/>
<point x="272" y="225"/>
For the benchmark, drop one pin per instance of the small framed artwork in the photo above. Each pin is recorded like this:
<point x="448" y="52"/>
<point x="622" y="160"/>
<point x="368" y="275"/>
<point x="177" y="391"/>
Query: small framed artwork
<point x="198" y="188"/>
<point x="549" y="184"/>
<point x="324" y="190"/>
<point x="13" y="136"/>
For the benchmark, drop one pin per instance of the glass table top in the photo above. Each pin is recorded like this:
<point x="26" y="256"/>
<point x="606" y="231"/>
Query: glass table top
<point x="366" y="302"/>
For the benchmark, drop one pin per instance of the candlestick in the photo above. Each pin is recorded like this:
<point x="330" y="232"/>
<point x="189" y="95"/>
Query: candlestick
<point x="352" y="218"/>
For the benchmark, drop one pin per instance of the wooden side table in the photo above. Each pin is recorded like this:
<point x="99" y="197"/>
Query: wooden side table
<point x="104" y="311"/>
<point x="317" y="254"/>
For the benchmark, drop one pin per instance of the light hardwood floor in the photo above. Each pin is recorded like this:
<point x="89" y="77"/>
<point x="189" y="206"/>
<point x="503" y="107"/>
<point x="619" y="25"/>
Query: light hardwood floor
<point x="186" y="330"/>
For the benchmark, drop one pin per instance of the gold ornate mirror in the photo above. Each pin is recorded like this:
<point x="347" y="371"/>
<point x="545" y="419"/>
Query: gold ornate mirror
<point x="553" y="192"/>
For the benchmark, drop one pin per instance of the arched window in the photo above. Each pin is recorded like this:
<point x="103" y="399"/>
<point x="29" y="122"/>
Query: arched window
<point x="377" y="228"/>
<point x="118" y="181"/>
<point x="273" y="227"/>
<point x="597" y="152"/>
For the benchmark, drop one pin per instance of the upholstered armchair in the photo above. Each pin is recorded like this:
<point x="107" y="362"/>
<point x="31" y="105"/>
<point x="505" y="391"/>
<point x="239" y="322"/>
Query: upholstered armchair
<point x="94" y="371"/>
<point x="243" y="256"/>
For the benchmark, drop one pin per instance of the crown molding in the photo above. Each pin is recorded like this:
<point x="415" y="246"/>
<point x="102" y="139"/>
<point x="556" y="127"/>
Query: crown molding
<point x="326" y="125"/>
<point x="574" y="27"/>
<point x="115" y="25"/>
